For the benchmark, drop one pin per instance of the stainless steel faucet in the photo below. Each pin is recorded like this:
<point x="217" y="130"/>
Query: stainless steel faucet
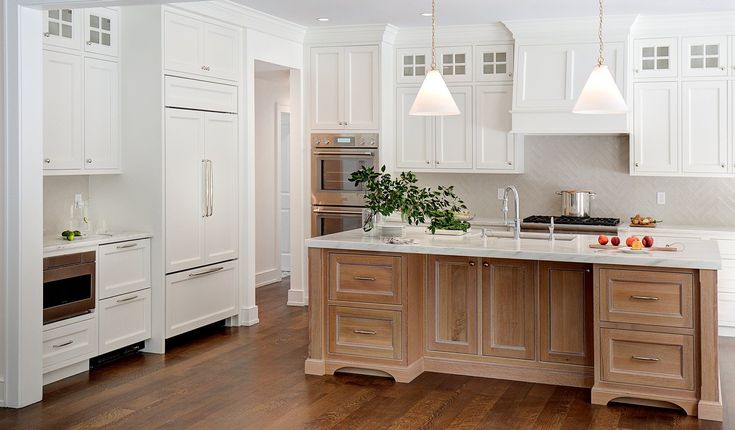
<point x="516" y="223"/>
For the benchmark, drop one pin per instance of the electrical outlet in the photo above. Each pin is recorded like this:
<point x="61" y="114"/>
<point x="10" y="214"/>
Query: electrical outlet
<point x="661" y="198"/>
<point x="501" y="191"/>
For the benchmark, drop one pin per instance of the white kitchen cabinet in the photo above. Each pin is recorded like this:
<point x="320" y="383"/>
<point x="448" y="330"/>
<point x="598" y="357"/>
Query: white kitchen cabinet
<point x="704" y="56"/>
<point x="453" y="134"/>
<point x="199" y="297"/>
<point x="656" y="58"/>
<point x="455" y="63"/>
<point x="63" y="28"/>
<point x="102" y="31"/>
<point x="123" y="267"/>
<point x="345" y="88"/>
<point x="413" y="64"/>
<point x="69" y="344"/>
<point x="655" y="139"/>
<point x="704" y="127"/>
<point x="494" y="63"/>
<point x="101" y="114"/>
<point x="495" y="146"/>
<point x="414" y="134"/>
<point x="124" y="320"/>
<point x="200" y="48"/>
<point x="201" y="184"/>
<point x="62" y="111"/>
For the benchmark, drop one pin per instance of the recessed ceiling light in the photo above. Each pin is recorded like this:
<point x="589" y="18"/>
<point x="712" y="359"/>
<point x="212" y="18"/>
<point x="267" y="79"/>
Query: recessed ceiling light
<point x="322" y="19"/>
<point x="427" y="14"/>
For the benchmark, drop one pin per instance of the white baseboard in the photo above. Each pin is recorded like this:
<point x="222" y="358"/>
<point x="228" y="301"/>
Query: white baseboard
<point x="65" y="372"/>
<point x="726" y="331"/>
<point x="2" y="392"/>
<point x="267" y="277"/>
<point x="296" y="298"/>
<point x="249" y="316"/>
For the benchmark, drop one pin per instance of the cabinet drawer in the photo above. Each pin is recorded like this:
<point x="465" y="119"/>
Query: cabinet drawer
<point x="124" y="320"/>
<point x="69" y="344"/>
<point x="200" y="95"/>
<point x="369" y="333"/>
<point x="644" y="297"/>
<point x="365" y="278"/>
<point x="124" y="267"/>
<point x="644" y="358"/>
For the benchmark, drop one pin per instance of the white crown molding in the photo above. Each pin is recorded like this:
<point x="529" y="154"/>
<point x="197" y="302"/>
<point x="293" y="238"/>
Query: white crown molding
<point x="454" y="34"/>
<point x="699" y="24"/>
<point x="237" y="14"/>
<point x="583" y="29"/>
<point x="351" y="34"/>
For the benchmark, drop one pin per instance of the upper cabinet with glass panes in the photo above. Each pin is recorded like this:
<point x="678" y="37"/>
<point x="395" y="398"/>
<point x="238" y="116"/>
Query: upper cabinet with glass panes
<point x="494" y="63"/>
<point x="101" y="31"/>
<point x="455" y="63"/>
<point x="62" y="28"/>
<point x="656" y="58"/>
<point x="704" y="56"/>
<point x="413" y="64"/>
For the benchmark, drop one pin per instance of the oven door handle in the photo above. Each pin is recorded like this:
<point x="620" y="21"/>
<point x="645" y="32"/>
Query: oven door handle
<point x="348" y="154"/>
<point x="337" y="211"/>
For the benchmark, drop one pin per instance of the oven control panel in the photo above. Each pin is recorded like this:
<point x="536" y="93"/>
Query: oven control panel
<point x="344" y="140"/>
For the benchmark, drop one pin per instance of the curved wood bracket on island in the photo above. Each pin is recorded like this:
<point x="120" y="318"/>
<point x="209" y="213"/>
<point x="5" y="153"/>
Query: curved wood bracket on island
<point x="632" y="333"/>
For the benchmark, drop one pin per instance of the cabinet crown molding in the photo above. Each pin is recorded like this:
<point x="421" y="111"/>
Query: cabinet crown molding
<point x="455" y="34"/>
<point x="582" y="29"/>
<point x="695" y="24"/>
<point x="351" y="34"/>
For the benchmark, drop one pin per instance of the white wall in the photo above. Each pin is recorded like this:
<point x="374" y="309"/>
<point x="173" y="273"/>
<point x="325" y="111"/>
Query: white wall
<point x="271" y="89"/>
<point x="58" y="196"/>
<point x="2" y="205"/>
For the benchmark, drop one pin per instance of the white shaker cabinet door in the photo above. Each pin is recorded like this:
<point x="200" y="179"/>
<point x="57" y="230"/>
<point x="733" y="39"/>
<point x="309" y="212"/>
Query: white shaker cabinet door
<point x="221" y="56"/>
<point x="63" y="28"/>
<point x="414" y="134"/>
<point x="704" y="127"/>
<point x="101" y="115"/>
<point x="185" y="206"/>
<point x="124" y="320"/>
<point x="123" y="268"/>
<point x="220" y="149"/>
<point x="327" y="86"/>
<point x="362" y="84"/>
<point x="183" y="43"/>
<point x="453" y="145"/>
<point x="102" y="31"/>
<point x="62" y="111"/>
<point x="495" y="146"/>
<point x="655" y="136"/>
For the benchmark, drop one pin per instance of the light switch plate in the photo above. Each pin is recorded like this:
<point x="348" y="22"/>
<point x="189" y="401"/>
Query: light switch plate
<point x="661" y="198"/>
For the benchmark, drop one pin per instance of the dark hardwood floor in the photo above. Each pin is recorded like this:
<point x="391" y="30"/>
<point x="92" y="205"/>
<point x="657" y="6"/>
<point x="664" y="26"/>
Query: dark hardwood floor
<point x="252" y="377"/>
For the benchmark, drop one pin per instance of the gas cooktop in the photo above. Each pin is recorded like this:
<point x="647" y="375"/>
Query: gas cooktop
<point x="572" y="220"/>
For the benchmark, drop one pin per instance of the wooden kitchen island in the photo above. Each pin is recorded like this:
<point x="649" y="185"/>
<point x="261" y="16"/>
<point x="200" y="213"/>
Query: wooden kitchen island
<point x="640" y="328"/>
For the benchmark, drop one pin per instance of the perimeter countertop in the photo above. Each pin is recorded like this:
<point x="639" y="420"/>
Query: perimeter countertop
<point x="696" y="253"/>
<point x="56" y="245"/>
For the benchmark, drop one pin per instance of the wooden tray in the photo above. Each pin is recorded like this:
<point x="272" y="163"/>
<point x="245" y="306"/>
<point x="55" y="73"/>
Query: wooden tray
<point x="652" y="225"/>
<point x="653" y="248"/>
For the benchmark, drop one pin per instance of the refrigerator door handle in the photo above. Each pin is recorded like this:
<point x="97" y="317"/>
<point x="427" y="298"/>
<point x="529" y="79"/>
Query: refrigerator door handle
<point x="211" y="188"/>
<point x="205" y="183"/>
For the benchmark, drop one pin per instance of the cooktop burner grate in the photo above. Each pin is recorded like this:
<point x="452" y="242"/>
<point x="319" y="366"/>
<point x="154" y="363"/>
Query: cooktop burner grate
<point x="571" y="220"/>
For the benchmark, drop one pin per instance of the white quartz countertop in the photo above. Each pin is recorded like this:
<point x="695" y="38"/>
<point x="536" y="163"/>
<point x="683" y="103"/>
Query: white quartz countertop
<point x="56" y="245"/>
<point x="695" y="254"/>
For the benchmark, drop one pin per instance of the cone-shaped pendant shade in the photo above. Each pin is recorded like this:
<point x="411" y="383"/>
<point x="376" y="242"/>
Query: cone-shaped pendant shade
<point x="600" y="94"/>
<point x="434" y="98"/>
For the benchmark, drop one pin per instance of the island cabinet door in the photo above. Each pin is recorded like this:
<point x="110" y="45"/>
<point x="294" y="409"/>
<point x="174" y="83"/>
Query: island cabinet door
<point x="566" y="313"/>
<point x="509" y="308"/>
<point x="452" y="304"/>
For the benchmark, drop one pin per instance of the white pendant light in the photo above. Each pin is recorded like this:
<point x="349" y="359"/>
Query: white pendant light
<point x="434" y="98"/>
<point x="600" y="94"/>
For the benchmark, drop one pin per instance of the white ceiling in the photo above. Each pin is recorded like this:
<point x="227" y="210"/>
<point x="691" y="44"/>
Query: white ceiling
<point x="455" y="12"/>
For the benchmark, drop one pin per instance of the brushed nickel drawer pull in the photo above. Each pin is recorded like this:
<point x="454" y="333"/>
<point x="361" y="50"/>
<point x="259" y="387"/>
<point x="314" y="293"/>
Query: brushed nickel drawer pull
<point x="363" y="278"/>
<point x="639" y="358"/>
<point x="370" y="332"/>
<point x="127" y="245"/>
<point x="61" y="345"/>
<point x="127" y="300"/>
<point x="206" y="272"/>
<point x="645" y="298"/>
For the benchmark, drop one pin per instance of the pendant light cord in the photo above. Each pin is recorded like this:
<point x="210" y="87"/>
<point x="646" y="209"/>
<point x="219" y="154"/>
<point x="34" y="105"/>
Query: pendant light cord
<point x="433" y="34"/>
<point x="601" y="56"/>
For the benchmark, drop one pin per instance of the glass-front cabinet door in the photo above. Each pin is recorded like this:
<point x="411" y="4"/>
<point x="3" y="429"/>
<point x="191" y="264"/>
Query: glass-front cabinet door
<point x="62" y="28"/>
<point x="455" y="63"/>
<point x="704" y="56"/>
<point x="101" y="30"/>
<point x="413" y="64"/>
<point x="494" y="63"/>
<point x="656" y="58"/>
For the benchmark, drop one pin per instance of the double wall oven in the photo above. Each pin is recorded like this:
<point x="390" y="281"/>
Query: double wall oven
<point x="336" y="202"/>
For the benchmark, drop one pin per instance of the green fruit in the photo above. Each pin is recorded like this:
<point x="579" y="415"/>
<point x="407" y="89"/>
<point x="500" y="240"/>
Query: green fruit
<point x="77" y="233"/>
<point x="70" y="236"/>
<point x="66" y="233"/>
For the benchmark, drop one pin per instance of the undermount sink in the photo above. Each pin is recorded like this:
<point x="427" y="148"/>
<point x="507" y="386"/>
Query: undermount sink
<point x="526" y="235"/>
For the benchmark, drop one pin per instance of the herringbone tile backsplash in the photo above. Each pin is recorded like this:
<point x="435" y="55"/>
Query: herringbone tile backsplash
<point x="600" y="164"/>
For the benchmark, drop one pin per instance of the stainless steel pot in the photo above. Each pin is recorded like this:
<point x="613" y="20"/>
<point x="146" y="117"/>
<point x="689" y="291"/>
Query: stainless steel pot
<point x="575" y="202"/>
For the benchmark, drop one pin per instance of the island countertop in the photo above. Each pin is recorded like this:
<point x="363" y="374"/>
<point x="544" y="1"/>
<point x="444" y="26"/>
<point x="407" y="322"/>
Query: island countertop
<point x="694" y="254"/>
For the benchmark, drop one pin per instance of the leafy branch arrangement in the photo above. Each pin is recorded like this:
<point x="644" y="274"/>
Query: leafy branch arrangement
<point x="385" y="195"/>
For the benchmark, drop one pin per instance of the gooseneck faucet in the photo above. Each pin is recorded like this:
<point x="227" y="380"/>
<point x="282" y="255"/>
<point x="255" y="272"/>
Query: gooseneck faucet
<point x="516" y="223"/>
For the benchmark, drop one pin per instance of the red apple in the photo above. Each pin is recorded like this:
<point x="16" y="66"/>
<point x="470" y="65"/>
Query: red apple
<point x="602" y="239"/>
<point x="647" y="241"/>
<point x="629" y="241"/>
<point x="615" y="241"/>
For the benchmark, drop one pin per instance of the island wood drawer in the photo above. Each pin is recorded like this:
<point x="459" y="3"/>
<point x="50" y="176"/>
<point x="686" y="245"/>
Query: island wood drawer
<point x="368" y="278"/>
<point x="647" y="297"/>
<point x="370" y="333"/>
<point x="646" y="358"/>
